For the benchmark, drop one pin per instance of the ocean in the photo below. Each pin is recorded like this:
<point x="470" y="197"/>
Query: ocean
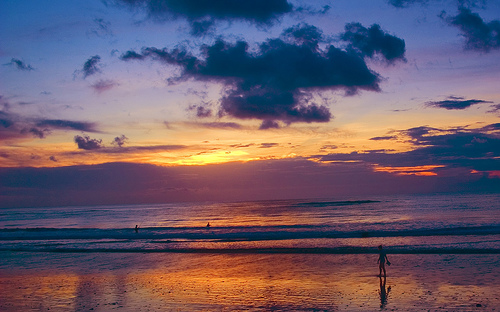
<point x="411" y="224"/>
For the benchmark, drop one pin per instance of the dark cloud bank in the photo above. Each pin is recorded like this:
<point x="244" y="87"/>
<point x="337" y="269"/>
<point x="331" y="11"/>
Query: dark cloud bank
<point x="276" y="82"/>
<point x="126" y="183"/>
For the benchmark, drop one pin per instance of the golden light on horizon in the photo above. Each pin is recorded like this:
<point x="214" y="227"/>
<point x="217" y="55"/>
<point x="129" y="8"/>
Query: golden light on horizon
<point x="415" y="170"/>
<point x="216" y="157"/>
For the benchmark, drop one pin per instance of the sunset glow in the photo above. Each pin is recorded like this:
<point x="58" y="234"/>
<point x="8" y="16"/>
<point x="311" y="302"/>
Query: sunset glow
<point x="360" y="93"/>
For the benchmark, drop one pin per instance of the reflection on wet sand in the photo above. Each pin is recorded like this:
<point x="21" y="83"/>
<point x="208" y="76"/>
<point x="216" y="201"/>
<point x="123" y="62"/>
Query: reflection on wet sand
<point x="256" y="282"/>
<point x="384" y="292"/>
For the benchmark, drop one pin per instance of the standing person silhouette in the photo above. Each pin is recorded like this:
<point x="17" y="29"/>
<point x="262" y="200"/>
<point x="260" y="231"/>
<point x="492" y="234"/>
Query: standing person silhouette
<point x="382" y="259"/>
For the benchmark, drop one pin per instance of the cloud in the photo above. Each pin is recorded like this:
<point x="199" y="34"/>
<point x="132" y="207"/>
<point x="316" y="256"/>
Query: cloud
<point x="269" y="124"/>
<point x="103" y="85"/>
<point x="202" y="28"/>
<point x="383" y="138"/>
<point x="35" y="132"/>
<point x="406" y="3"/>
<point x="218" y="125"/>
<point x="67" y="124"/>
<point x="477" y="149"/>
<point x="86" y="143"/>
<point x="20" y="64"/>
<point x="454" y="103"/>
<point x="13" y="126"/>
<point x="201" y="111"/>
<point x="128" y="183"/>
<point x="120" y="141"/>
<point x="132" y="55"/>
<point x="268" y="145"/>
<point x="274" y="82"/>
<point x="91" y="66"/>
<point x="494" y="108"/>
<point x="479" y="35"/>
<point x="101" y="29"/>
<point x="371" y="41"/>
<point x="492" y="127"/>
<point x="304" y="34"/>
<point x="201" y="14"/>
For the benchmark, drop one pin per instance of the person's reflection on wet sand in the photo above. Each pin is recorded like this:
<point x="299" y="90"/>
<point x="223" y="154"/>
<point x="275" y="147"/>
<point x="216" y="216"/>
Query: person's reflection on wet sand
<point x="384" y="293"/>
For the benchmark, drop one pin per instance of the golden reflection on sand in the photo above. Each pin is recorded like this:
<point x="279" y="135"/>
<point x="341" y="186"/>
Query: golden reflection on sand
<point x="255" y="282"/>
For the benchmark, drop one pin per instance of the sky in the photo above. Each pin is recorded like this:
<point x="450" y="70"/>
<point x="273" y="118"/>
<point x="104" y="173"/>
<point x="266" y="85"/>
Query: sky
<point x="138" y="101"/>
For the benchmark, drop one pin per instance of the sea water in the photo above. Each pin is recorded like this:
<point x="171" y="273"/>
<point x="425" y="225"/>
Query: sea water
<point x="441" y="223"/>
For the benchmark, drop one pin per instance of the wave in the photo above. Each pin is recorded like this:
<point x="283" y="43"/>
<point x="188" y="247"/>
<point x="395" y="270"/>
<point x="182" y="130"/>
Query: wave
<point x="335" y="203"/>
<point x="285" y="250"/>
<point x="235" y="233"/>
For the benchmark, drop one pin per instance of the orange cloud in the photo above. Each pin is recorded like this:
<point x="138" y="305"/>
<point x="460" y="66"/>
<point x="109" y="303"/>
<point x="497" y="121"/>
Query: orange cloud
<point x="415" y="170"/>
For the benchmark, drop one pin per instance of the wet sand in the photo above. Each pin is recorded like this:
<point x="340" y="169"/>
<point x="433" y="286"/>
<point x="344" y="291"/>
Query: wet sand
<point x="246" y="282"/>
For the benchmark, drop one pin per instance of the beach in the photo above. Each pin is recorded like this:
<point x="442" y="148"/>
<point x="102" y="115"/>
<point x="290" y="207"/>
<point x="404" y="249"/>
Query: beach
<point x="169" y="281"/>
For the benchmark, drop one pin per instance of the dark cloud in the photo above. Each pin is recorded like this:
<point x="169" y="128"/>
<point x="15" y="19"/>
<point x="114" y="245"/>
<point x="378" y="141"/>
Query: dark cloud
<point x="453" y="103"/>
<point x="268" y="145"/>
<point x="201" y="111"/>
<point x="13" y="126"/>
<point x="91" y="66"/>
<point x="202" y="13"/>
<point x="479" y="35"/>
<point x="120" y="140"/>
<point x="275" y="81"/>
<point x="102" y="28"/>
<point x="38" y="133"/>
<point x="67" y="124"/>
<point x="124" y="149"/>
<point x="406" y="3"/>
<point x="383" y="138"/>
<point x="20" y="64"/>
<point x="202" y="28"/>
<point x="5" y="120"/>
<point x="304" y="34"/>
<point x="131" y="55"/>
<point x="372" y="41"/>
<point x="53" y="158"/>
<point x="103" y="85"/>
<point x="128" y="183"/>
<point x="477" y="149"/>
<point x="492" y="127"/>
<point x="269" y="124"/>
<point x="494" y="108"/>
<point x="86" y="143"/>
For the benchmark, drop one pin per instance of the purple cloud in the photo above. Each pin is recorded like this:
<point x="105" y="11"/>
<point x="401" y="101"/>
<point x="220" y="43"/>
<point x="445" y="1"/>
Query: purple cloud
<point x="479" y="35"/>
<point x="454" y="103"/>
<point x="275" y="82"/>
<point x="20" y="64"/>
<point x="86" y="143"/>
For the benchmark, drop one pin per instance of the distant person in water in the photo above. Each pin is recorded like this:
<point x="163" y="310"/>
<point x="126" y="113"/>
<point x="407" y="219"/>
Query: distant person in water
<point x="136" y="228"/>
<point x="208" y="224"/>
<point x="382" y="260"/>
